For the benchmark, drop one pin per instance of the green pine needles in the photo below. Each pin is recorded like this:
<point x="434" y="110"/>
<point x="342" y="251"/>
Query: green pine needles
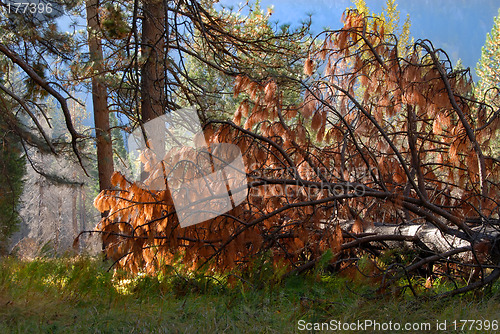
<point x="12" y="170"/>
<point x="488" y="67"/>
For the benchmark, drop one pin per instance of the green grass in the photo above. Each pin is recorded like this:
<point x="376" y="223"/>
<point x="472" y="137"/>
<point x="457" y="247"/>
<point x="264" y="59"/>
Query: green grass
<point x="78" y="295"/>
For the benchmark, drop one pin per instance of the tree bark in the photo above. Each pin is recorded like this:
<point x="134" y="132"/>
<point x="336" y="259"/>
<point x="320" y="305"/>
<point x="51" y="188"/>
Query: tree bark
<point x="428" y="238"/>
<point x="153" y="47"/>
<point x="99" y="100"/>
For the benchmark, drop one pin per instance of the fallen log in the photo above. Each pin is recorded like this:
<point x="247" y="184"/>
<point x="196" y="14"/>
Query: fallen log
<point x="478" y="251"/>
<point x="429" y="238"/>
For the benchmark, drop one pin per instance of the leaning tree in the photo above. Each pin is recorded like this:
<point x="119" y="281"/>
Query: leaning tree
<point x="386" y="159"/>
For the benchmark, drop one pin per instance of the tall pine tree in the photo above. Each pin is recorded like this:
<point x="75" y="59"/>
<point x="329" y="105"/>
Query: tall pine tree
<point x="12" y="170"/>
<point x="488" y="67"/>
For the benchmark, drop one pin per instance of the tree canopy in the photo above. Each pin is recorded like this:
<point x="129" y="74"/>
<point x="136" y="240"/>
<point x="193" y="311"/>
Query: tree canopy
<point x="488" y="68"/>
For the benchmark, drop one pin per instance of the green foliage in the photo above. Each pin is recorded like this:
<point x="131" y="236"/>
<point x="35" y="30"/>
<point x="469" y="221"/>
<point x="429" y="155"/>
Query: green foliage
<point x="33" y="90"/>
<point x="392" y="23"/>
<point x="79" y="295"/>
<point x="12" y="170"/>
<point x="277" y="53"/>
<point x="114" y="22"/>
<point x="488" y="67"/>
<point x="262" y="273"/>
<point x="488" y="71"/>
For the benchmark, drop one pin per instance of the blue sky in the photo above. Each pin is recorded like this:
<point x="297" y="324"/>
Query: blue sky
<point x="458" y="27"/>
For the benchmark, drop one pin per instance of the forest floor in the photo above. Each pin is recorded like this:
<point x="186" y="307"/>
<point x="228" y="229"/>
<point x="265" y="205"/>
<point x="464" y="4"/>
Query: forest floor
<point x="79" y="295"/>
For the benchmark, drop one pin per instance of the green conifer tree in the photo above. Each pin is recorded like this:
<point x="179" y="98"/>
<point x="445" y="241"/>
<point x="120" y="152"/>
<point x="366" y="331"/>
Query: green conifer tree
<point x="12" y="170"/>
<point x="390" y="17"/>
<point x="488" y="67"/>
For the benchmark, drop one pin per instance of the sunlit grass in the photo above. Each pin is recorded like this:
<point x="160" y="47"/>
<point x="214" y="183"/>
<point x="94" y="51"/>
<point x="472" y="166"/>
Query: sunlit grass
<point x="79" y="295"/>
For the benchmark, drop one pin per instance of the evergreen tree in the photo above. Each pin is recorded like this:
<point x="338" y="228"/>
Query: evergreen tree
<point x="12" y="170"/>
<point x="213" y="88"/>
<point x="488" y="67"/>
<point x="390" y="17"/>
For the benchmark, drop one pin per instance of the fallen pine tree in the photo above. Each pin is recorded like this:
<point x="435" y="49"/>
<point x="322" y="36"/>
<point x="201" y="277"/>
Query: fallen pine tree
<point x="385" y="152"/>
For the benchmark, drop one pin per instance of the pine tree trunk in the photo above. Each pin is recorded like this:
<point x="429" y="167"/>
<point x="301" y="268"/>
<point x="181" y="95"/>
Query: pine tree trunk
<point x="99" y="100"/>
<point x="153" y="47"/>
